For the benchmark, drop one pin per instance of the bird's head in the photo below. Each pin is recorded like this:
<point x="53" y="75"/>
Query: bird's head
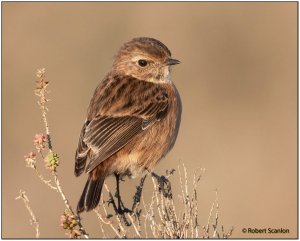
<point x="144" y="58"/>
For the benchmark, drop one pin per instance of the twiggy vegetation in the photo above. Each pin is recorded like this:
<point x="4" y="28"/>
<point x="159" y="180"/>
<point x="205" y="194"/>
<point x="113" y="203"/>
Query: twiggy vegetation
<point x="150" y="215"/>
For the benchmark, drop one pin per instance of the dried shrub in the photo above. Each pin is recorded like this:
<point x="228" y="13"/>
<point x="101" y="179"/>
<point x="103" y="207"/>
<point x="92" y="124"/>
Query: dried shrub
<point x="157" y="217"/>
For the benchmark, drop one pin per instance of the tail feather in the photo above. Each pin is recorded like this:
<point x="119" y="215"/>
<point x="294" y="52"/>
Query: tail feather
<point x="90" y="196"/>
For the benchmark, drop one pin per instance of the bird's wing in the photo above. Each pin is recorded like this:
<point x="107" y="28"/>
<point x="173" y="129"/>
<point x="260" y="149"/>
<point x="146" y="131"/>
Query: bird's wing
<point x="81" y="152"/>
<point x="107" y="135"/>
<point x="108" y="132"/>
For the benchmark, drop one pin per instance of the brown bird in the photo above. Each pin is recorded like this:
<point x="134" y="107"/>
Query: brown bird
<point x="133" y="118"/>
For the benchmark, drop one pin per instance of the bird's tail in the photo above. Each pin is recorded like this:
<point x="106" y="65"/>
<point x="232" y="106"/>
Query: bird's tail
<point x="90" y="196"/>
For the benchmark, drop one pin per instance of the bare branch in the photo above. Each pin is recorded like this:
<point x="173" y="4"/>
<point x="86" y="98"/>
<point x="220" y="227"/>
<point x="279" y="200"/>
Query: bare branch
<point x="33" y="221"/>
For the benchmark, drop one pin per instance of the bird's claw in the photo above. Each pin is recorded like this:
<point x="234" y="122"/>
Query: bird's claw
<point x="164" y="187"/>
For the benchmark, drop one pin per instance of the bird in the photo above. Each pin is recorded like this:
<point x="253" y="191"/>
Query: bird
<point x="133" y="118"/>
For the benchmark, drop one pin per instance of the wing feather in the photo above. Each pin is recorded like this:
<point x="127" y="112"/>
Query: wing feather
<point x="122" y="130"/>
<point x="81" y="153"/>
<point x="110" y="129"/>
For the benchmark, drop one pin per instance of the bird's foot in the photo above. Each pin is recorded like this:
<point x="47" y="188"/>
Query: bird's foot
<point x="164" y="185"/>
<point x="123" y="210"/>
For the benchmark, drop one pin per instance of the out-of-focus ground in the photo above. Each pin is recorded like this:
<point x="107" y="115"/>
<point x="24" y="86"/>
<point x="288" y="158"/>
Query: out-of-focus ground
<point x="237" y="79"/>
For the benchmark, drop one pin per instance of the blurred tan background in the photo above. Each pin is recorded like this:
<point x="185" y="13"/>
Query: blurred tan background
<point x="238" y="82"/>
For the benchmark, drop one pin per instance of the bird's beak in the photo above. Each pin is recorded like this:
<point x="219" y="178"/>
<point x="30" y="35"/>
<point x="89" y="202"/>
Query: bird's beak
<point x="172" y="61"/>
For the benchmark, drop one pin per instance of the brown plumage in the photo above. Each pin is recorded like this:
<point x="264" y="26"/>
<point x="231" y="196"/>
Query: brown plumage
<point x="133" y="118"/>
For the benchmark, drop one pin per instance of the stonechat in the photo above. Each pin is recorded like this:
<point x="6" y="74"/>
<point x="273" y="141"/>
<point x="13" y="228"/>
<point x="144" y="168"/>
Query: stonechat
<point x="133" y="118"/>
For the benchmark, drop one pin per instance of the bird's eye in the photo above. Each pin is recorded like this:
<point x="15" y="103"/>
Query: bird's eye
<point x="142" y="62"/>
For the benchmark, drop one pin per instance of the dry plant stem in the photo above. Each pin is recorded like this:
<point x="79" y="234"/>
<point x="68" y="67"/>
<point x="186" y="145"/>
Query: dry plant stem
<point x="138" y="195"/>
<point x="215" y="205"/>
<point x="195" y="203"/>
<point x="120" y="226"/>
<point x="107" y="222"/>
<point x="59" y="188"/>
<point x="40" y="176"/>
<point x="100" y="222"/>
<point x="228" y="234"/>
<point x="146" y="216"/>
<point x="159" y="216"/>
<point x="33" y="219"/>
<point x="121" y="210"/>
<point x="216" y="217"/>
<point x="134" y="226"/>
<point x="158" y="205"/>
<point x="116" y="222"/>
<point x="187" y="202"/>
<point x="209" y="217"/>
<point x="150" y="215"/>
<point x="182" y="197"/>
<point x="42" y="103"/>
<point x="47" y="182"/>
